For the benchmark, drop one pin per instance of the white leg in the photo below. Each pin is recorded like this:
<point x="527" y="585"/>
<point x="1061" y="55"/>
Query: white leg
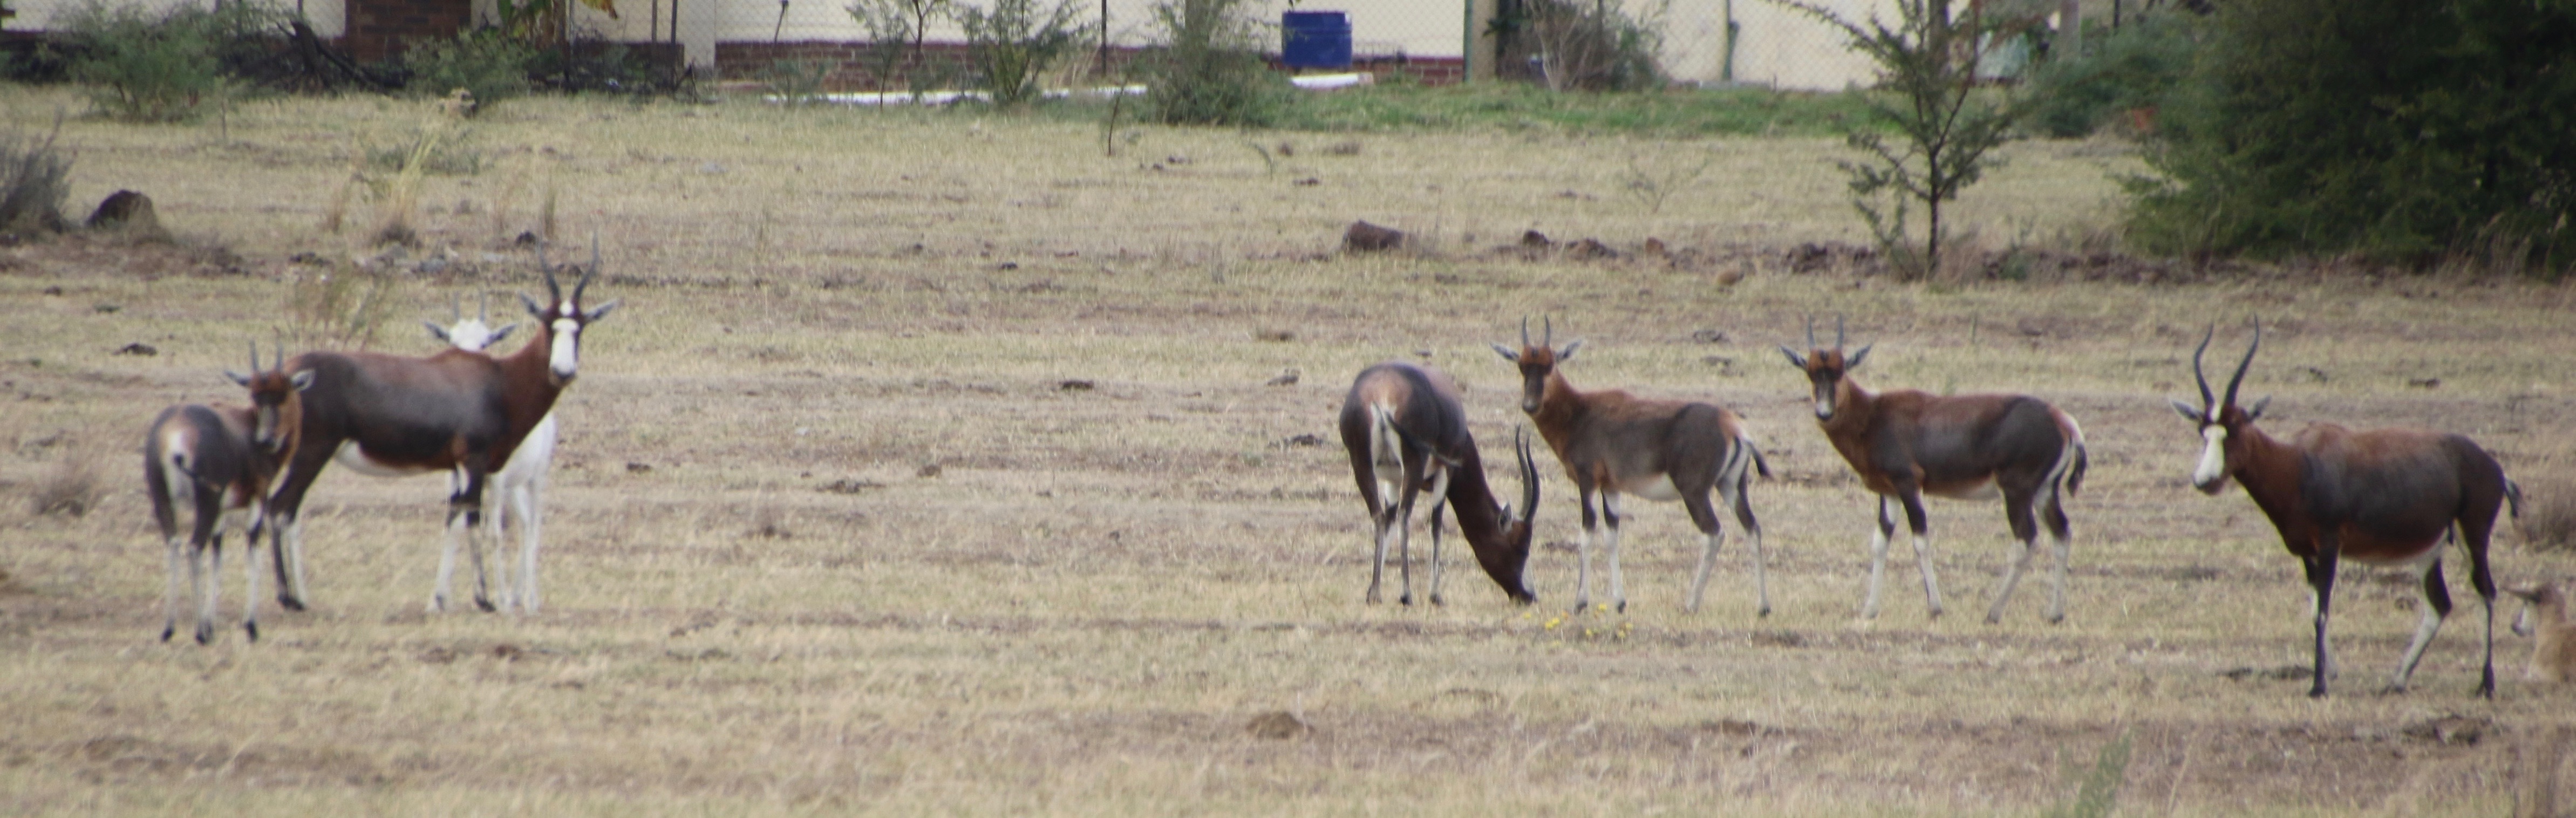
<point x="1618" y="584"/>
<point x="496" y="517"/>
<point x="1707" y="560"/>
<point x="1931" y="586"/>
<point x="2424" y="628"/>
<point x="251" y="566"/>
<point x="171" y="601"/>
<point x="447" y="563"/>
<point x="294" y="533"/>
<point x="1439" y="497"/>
<point x="1384" y="526"/>
<point x="2316" y="612"/>
<point x="2057" y="585"/>
<point x="210" y="585"/>
<point x="529" y="511"/>
<point x="2012" y="577"/>
<point x="1877" y="560"/>
<point x="1583" y="571"/>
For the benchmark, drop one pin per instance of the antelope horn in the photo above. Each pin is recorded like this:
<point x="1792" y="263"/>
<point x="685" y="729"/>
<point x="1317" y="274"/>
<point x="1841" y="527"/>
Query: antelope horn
<point x="1524" y="332"/>
<point x="1529" y="473"/>
<point x="2208" y="400"/>
<point x="254" y="356"/>
<point x="1811" y="333"/>
<point x="483" y="307"/>
<point x="1549" y="338"/>
<point x="2241" y="366"/>
<point x="554" y="291"/>
<point x="587" y="275"/>
<point x="455" y="308"/>
<point x="1838" y="333"/>
<point x="281" y="351"/>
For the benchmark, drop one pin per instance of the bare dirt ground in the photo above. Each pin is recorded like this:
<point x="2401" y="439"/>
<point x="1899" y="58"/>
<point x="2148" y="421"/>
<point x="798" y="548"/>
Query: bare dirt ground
<point x="931" y="466"/>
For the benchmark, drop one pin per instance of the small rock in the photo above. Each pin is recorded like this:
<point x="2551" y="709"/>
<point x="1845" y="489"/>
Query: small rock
<point x="1278" y="335"/>
<point x="1535" y="240"/>
<point x="1307" y="440"/>
<point x="1073" y="385"/>
<point x="1709" y="336"/>
<point x="2461" y="730"/>
<point x="1286" y="149"/>
<point x="138" y="348"/>
<point x="849" y="486"/>
<point x="54" y="290"/>
<point x="431" y="266"/>
<point x="633" y="467"/>
<point x="2425" y="383"/>
<point x="1351" y="148"/>
<point x="1277" y="724"/>
<point x="1287" y="377"/>
<point x="308" y="258"/>
<point x="129" y="212"/>
<point x="712" y="168"/>
<point x="927" y="470"/>
<point x="1309" y="182"/>
<point x="1589" y="249"/>
<point x="527" y="238"/>
<point x="1007" y="265"/>
<point x="1655" y="248"/>
<point x="1363" y="237"/>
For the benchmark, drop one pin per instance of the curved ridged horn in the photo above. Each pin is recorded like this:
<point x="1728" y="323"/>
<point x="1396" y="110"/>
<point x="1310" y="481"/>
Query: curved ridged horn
<point x="587" y="275"/>
<point x="554" y="291"/>
<point x="254" y="356"/>
<point x="1524" y="332"/>
<point x="2208" y="400"/>
<point x="1529" y="474"/>
<point x="1811" y="333"/>
<point x="455" y="307"/>
<point x="2241" y="366"/>
<point x="281" y="351"/>
<point x="1838" y="333"/>
<point x="483" y="307"/>
<point x="1548" y="339"/>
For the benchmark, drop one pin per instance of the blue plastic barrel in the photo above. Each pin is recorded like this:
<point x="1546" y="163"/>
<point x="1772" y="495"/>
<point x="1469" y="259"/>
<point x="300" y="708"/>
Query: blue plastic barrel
<point x="1315" y="39"/>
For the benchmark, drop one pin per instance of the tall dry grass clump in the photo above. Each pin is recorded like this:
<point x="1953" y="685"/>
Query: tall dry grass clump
<point x="34" y="181"/>
<point x="2548" y="521"/>
<point x="70" y="489"/>
<point x="342" y="308"/>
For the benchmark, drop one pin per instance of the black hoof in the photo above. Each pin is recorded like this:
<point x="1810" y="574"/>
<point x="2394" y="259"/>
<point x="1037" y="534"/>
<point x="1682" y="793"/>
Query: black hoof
<point x="167" y="631"/>
<point x="1436" y="600"/>
<point x="2317" y="692"/>
<point x="485" y="604"/>
<point x="1405" y="600"/>
<point x="1623" y="606"/>
<point x="289" y="602"/>
<point x="205" y="636"/>
<point x="253" y="629"/>
<point x="1764" y="612"/>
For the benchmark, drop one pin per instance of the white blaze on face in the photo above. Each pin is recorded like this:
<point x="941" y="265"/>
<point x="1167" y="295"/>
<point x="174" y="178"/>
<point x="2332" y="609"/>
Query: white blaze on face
<point x="567" y="344"/>
<point x="470" y="335"/>
<point x="2213" y="458"/>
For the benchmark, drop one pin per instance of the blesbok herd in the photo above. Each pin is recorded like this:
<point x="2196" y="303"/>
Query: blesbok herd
<point x="2382" y="497"/>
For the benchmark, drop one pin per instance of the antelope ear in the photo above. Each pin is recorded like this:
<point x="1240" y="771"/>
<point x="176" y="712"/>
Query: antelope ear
<point x="531" y="304"/>
<point x="1567" y="354"/>
<point x="302" y="380"/>
<point x="503" y="332"/>
<point x="1507" y="353"/>
<point x="1857" y="357"/>
<point x="2188" y="411"/>
<point x="237" y="377"/>
<point x="1794" y="358"/>
<point x="600" y="311"/>
<point x="436" y="331"/>
<point x="2257" y="411"/>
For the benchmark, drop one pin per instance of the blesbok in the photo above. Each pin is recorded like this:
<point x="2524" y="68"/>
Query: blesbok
<point x="1905" y="443"/>
<point x="2553" y="638"/>
<point x="521" y="483"/>
<point x="456" y="411"/>
<point x="1616" y="444"/>
<point x="218" y="461"/>
<point x="1407" y="433"/>
<point x="2383" y="497"/>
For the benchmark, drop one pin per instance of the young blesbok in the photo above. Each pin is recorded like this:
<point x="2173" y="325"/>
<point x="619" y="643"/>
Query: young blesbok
<point x="521" y="483"/>
<point x="2383" y="497"/>
<point x="1407" y="433"/>
<point x="218" y="461"/>
<point x="2553" y="638"/>
<point x="456" y="411"/>
<point x="1616" y="444"/>
<point x="1905" y="444"/>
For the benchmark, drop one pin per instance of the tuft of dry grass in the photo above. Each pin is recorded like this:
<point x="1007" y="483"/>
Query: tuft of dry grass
<point x="70" y="489"/>
<point x="2548" y="521"/>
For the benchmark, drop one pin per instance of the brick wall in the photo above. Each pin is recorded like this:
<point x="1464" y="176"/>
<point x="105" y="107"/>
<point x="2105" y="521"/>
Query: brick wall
<point x="845" y="63"/>
<point x="378" y="28"/>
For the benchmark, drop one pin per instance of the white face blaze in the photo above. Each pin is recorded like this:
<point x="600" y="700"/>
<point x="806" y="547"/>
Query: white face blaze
<point x="2213" y="459"/>
<point x="564" y="357"/>
<point x="471" y="335"/>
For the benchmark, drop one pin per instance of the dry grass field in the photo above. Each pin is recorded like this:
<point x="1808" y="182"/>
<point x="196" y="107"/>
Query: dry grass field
<point x="834" y="529"/>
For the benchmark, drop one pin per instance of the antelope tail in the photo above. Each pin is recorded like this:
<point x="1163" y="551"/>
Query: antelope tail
<point x="2075" y="473"/>
<point x="1760" y="465"/>
<point x="2513" y="497"/>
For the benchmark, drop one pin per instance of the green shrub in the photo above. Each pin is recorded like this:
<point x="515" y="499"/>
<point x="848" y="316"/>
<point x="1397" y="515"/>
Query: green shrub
<point x="1014" y="44"/>
<point x="486" y="62"/>
<point x="145" y="65"/>
<point x="2131" y="68"/>
<point x="895" y="32"/>
<point x="1583" y="45"/>
<point x="1211" y="71"/>
<point x="34" y="182"/>
<point x="2391" y="129"/>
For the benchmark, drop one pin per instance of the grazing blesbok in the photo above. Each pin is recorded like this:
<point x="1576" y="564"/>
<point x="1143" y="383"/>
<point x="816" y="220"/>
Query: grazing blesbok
<point x="521" y="483"/>
<point x="1905" y="444"/>
<point x="1407" y="433"/>
<point x="456" y="411"/>
<point x="2383" y="497"/>
<point x="1616" y="444"/>
<point x="2553" y="638"/>
<point x="218" y="461"/>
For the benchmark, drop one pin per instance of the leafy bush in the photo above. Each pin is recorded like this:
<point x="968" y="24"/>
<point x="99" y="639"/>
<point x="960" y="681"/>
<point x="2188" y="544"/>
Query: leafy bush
<point x="2395" y="130"/>
<point x="1211" y="72"/>
<point x="146" y="65"/>
<point x="34" y="181"/>
<point x="895" y="32"/>
<point x="486" y="62"/>
<point x="2132" y="68"/>
<point x="1583" y="45"/>
<point x="1015" y="43"/>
